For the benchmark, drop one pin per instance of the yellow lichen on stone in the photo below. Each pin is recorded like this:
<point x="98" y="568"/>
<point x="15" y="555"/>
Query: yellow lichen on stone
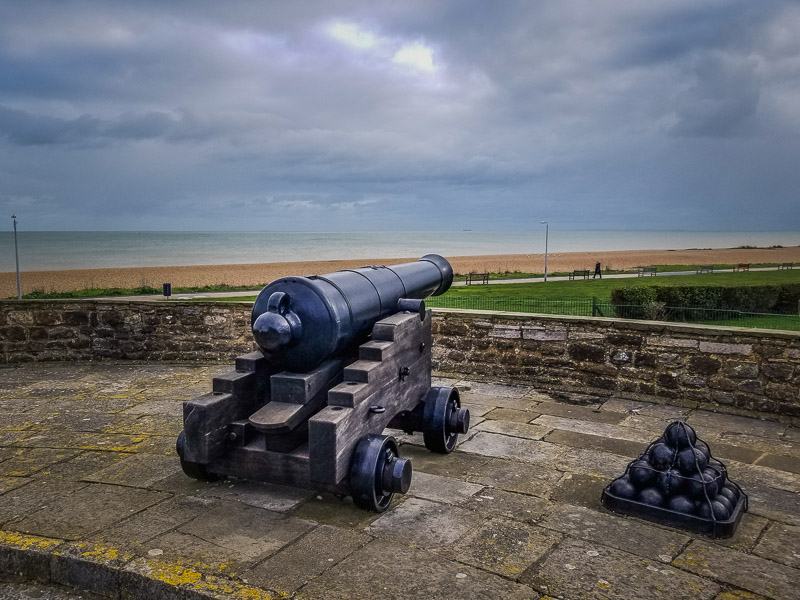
<point x="739" y="595"/>
<point x="231" y="589"/>
<point x="198" y="577"/>
<point x="102" y="554"/>
<point x="26" y="542"/>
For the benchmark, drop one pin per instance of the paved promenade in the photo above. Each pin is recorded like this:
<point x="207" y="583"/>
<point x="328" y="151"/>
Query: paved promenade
<point x="457" y="283"/>
<point x="91" y="495"/>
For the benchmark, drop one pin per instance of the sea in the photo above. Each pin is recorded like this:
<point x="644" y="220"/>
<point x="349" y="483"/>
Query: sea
<point x="57" y="250"/>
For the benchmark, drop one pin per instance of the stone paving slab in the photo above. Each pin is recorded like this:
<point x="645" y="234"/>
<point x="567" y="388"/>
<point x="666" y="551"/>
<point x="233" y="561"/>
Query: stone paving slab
<point x="87" y="510"/>
<point x="748" y="572"/>
<point x="92" y="495"/>
<point x="306" y="559"/>
<point x="512" y="448"/>
<point x="589" y="461"/>
<point x="137" y="470"/>
<point x="494" y="502"/>
<point x="780" y="543"/>
<point x="615" y="432"/>
<point x="627" y="534"/>
<point x="514" y="429"/>
<point x="583" y="413"/>
<point x="442" y="489"/>
<point x="510" y="414"/>
<point x="424" y="524"/>
<point x="505" y="547"/>
<point x="580" y="569"/>
<point x="512" y="476"/>
<point x="646" y="409"/>
<point x="597" y="442"/>
<point x="704" y="420"/>
<point x="383" y="570"/>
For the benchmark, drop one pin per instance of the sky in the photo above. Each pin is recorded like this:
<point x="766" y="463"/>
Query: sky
<point x="422" y="114"/>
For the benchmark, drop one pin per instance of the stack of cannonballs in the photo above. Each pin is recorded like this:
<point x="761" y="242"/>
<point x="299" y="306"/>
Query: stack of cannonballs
<point x="677" y="482"/>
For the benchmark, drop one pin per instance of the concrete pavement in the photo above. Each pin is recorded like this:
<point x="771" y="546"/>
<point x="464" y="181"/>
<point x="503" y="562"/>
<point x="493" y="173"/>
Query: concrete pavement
<point x="92" y="496"/>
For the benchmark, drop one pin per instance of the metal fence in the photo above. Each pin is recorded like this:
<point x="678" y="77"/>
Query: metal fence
<point x="593" y="307"/>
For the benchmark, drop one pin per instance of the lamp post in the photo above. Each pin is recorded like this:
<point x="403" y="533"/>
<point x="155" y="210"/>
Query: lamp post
<point x="546" y="235"/>
<point x="16" y="256"/>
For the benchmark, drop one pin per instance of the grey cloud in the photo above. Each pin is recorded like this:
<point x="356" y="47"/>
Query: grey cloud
<point x="721" y="100"/>
<point x="595" y="114"/>
<point x="23" y="128"/>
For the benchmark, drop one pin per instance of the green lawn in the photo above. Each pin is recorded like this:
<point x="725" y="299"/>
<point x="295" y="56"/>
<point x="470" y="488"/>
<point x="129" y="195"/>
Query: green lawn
<point x="601" y="288"/>
<point x="591" y="288"/>
<point x="783" y="322"/>
<point x="661" y="269"/>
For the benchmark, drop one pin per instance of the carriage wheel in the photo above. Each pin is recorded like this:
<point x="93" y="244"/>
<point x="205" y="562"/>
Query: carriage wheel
<point x="443" y="419"/>
<point x="378" y="472"/>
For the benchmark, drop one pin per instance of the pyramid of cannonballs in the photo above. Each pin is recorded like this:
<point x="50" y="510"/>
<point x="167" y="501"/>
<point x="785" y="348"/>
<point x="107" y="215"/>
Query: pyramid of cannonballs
<point x="677" y="482"/>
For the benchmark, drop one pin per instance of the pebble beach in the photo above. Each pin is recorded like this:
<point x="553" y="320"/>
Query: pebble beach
<point x="257" y="275"/>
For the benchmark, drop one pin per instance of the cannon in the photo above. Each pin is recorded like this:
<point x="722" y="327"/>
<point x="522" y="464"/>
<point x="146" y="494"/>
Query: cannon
<point x="340" y="358"/>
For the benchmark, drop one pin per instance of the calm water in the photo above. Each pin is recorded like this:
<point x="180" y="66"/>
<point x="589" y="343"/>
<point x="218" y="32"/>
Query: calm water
<point x="44" y="250"/>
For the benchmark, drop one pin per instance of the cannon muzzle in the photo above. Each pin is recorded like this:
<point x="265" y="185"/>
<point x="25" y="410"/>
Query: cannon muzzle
<point x="301" y="321"/>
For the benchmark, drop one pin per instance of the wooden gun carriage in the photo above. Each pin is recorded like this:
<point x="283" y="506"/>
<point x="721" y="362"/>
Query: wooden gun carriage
<point x="340" y="358"/>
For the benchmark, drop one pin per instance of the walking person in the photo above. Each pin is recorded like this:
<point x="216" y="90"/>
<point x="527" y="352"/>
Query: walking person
<point x="597" y="271"/>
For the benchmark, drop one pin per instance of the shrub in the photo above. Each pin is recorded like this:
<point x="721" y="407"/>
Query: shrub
<point x="776" y="298"/>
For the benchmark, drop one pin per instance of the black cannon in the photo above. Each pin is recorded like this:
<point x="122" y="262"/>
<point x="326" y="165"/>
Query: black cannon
<point x="341" y="357"/>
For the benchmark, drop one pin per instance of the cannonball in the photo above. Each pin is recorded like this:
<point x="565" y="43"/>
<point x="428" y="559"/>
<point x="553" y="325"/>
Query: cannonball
<point x="700" y="486"/>
<point x="679" y="435"/>
<point x="623" y="488"/>
<point x="670" y="482"/>
<point x="719" y="473"/>
<point x="691" y="461"/>
<point x="681" y="504"/>
<point x="716" y="475"/>
<point x="660" y="456"/>
<point x="703" y="447"/>
<point x="641" y="473"/>
<point x="727" y="492"/>
<point x="725" y="502"/>
<point x="651" y="496"/>
<point x="706" y="509"/>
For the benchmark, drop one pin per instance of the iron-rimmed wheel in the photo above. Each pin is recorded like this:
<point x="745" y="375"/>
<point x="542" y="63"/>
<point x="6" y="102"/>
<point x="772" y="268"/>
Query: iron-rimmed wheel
<point x="193" y="470"/>
<point x="378" y="472"/>
<point x="443" y="419"/>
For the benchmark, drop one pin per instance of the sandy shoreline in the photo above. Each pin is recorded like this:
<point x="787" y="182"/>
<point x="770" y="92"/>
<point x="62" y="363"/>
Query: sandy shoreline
<point x="257" y="275"/>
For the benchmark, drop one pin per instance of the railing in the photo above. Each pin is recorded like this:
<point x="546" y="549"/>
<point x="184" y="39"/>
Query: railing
<point x="596" y="308"/>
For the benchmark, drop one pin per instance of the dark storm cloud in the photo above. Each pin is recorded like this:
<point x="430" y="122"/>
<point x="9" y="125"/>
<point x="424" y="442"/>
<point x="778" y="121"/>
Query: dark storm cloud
<point x="416" y="114"/>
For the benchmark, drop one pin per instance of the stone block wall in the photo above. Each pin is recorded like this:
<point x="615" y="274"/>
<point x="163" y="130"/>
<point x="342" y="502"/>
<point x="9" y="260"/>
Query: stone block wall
<point x="43" y="330"/>
<point x="726" y="367"/>
<point x="675" y="363"/>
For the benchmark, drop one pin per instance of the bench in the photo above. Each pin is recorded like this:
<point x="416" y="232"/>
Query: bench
<point x="579" y="273"/>
<point x="786" y="266"/>
<point x="742" y="267"/>
<point x="477" y="278"/>
<point x="705" y="269"/>
<point x="643" y="271"/>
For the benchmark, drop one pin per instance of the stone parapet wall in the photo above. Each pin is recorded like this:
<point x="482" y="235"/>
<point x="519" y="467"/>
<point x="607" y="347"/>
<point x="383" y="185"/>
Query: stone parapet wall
<point x="44" y="330"/>
<point x="728" y="367"/>
<point x="675" y="363"/>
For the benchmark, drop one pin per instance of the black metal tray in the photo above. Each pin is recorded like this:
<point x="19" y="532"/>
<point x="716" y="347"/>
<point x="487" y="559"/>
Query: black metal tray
<point x="671" y="518"/>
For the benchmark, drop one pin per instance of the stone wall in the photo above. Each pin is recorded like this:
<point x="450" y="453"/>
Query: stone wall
<point x="42" y="330"/>
<point x="727" y="367"/>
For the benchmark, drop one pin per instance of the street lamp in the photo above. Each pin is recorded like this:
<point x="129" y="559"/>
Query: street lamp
<point x="546" y="235"/>
<point x="16" y="256"/>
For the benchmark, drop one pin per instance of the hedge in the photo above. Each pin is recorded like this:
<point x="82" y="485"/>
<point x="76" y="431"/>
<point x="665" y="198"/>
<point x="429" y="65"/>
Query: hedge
<point x="776" y="298"/>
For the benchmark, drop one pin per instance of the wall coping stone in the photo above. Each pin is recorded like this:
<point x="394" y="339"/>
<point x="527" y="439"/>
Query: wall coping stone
<point x="638" y="325"/>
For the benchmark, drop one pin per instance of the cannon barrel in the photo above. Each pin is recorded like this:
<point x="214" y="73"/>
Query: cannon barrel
<point x="301" y="321"/>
